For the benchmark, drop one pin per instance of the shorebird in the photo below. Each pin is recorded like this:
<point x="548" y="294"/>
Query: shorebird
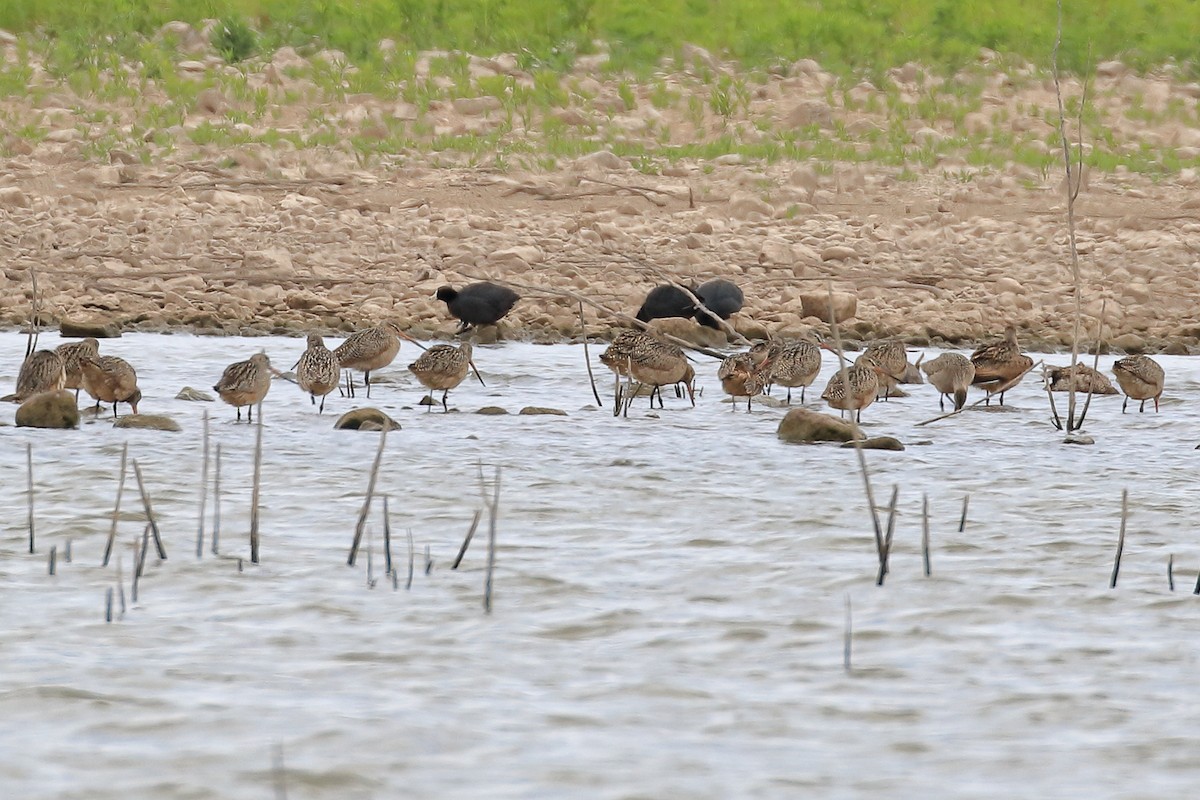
<point x="443" y="367"/>
<point x="1141" y="378"/>
<point x="1001" y="365"/>
<point x="950" y="374"/>
<point x="1086" y="380"/>
<point x="746" y="374"/>
<point x="892" y="358"/>
<point x="863" y="380"/>
<point x="666" y="300"/>
<point x="71" y="353"/>
<point x="42" y="372"/>
<point x="245" y="383"/>
<point x="109" y="379"/>
<point x="656" y="364"/>
<point x="369" y="350"/>
<point x="719" y="296"/>
<point x="797" y="364"/>
<point x="478" y="304"/>
<point x="317" y="370"/>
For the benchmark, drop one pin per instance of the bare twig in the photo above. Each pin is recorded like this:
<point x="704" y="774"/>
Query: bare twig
<point x="493" y="512"/>
<point x="411" y="558"/>
<point x="587" y="359"/>
<point x="29" y="465"/>
<point x="962" y="522"/>
<point x="1095" y="363"/>
<point x="887" y="538"/>
<point x="52" y="566"/>
<point x="387" y="538"/>
<point x="847" y="637"/>
<point x="216" y="533"/>
<point x="1171" y="571"/>
<point x="366" y="506"/>
<point x="255" y="489"/>
<point x="137" y="471"/>
<point x="925" y="534"/>
<point x="467" y="541"/>
<point x="1120" y="538"/>
<point x="203" y="489"/>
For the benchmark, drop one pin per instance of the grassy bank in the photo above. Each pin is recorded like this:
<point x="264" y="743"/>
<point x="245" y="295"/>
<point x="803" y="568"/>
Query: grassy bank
<point x="844" y="35"/>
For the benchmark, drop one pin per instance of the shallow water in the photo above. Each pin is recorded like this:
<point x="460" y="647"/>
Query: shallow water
<point x="669" y="599"/>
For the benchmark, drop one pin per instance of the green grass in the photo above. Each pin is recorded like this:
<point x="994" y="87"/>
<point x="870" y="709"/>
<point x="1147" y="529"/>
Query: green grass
<point x="844" y="35"/>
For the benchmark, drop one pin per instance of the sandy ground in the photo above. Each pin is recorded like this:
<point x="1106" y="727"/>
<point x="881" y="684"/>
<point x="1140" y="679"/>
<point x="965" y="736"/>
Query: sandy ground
<point x="250" y="240"/>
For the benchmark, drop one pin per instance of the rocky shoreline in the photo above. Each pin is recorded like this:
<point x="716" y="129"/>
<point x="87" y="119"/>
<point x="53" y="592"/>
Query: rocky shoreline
<point x="208" y="252"/>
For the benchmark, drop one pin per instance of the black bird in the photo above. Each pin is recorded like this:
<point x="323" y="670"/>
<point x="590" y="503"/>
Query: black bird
<point x="478" y="304"/>
<point x="721" y="298"/>
<point x="666" y="300"/>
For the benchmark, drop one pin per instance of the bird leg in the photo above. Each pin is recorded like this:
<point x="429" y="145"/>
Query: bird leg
<point x="249" y="413"/>
<point x="1155" y="404"/>
<point x="942" y="402"/>
<point x="1142" y="407"/>
<point x="1125" y="403"/>
<point x="789" y="397"/>
<point x="444" y="408"/>
<point x="321" y="410"/>
<point x="239" y="413"/>
<point x="367" y="381"/>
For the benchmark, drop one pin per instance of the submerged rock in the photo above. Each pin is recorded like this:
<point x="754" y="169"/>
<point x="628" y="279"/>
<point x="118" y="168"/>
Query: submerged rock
<point x="49" y="410"/>
<point x="804" y="425"/>
<point x="492" y="411"/>
<point x="149" y="422"/>
<point x="533" y="411"/>
<point x="879" y="443"/>
<point x="188" y="393"/>
<point x="365" y="419"/>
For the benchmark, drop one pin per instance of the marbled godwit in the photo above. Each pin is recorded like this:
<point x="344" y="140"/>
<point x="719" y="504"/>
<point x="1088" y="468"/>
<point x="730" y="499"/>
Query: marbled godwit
<point x="42" y="372"/>
<point x="666" y="300"/>
<point x="746" y="374"/>
<point x="796" y="365"/>
<point x="863" y="379"/>
<point x="721" y="297"/>
<point x="657" y="364"/>
<point x="443" y="367"/>
<point x="70" y="353"/>
<point x="1141" y="378"/>
<point x="950" y="374"/>
<point x="109" y="379"/>
<point x="1086" y="380"/>
<point x="245" y="383"/>
<point x="478" y="304"/>
<point x="1001" y="365"/>
<point x="892" y="359"/>
<point x="317" y="370"/>
<point x="369" y="350"/>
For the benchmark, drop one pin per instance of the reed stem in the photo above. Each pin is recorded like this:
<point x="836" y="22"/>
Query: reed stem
<point x="137" y="472"/>
<point x="962" y="522"/>
<point x="203" y="489"/>
<point x="925" y="534"/>
<point x="366" y="506"/>
<point x="112" y="531"/>
<point x="493" y="512"/>
<point x="254" y="492"/>
<point x="216" y="533"/>
<point x="467" y="541"/>
<point x="1120" y="538"/>
<point x="847" y="637"/>
<point x="29" y="464"/>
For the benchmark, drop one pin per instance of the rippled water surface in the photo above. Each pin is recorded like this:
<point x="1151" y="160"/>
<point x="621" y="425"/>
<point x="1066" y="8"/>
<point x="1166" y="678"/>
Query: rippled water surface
<point x="670" y="596"/>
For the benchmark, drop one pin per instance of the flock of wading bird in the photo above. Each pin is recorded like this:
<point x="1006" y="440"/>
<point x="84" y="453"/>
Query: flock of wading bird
<point x="643" y="357"/>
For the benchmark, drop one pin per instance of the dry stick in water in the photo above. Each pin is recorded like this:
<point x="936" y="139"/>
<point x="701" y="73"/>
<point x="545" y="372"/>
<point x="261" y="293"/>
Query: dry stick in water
<point x="1120" y="538"/>
<point x="67" y="552"/>
<point x="847" y="637"/>
<point x="121" y="584"/>
<point x="887" y="539"/>
<point x="1171" y="571"/>
<point x="587" y="359"/>
<point x="112" y="531"/>
<point x="387" y="539"/>
<point x="1087" y="403"/>
<point x="203" y="490"/>
<point x="1197" y="589"/>
<point x="53" y="559"/>
<point x="428" y="561"/>
<point x="962" y="522"/>
<point x="137" y="472"/>
<point x="467" y="541"/>
<point x="108" y="603"/>
<point x="366" y="506"/>
<point x="216" y="536"/>
<point x="925" y="534"/>
<point x="493" y="510"/>
<point x="254" y="490"/>
<point x="411" y="557"/>
<point x="29" y="464"/>
<point x="855" y="431"/>
<point x="35" y="322"/>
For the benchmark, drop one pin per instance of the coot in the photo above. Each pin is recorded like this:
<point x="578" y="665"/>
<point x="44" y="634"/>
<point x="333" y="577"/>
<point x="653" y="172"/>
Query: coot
<point x="478" y="304"/>
<point x="721" y="298"/>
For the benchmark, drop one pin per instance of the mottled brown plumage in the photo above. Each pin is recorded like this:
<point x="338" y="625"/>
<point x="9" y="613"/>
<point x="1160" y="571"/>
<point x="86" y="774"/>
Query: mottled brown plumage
<point x="1086" y="380"/>
<point x="442" y="367"/>
<point x="71" y="353"/>
<point x="950" y="374"/>
<point x="616" y="355"/>
<point x="657" y="364"/>
<point x="747" y="374"/>
<point x="369" y="350"/>
<point x="892" y="359"/>
<point x="863" y="380"/>
<point x="1141" y="378"/>
<point x="1001" y="365"/>
<point x="317" y="370"/>
<point x="245" y="383"/>
<point x="796" y="364"/>
<point x="109" y="379"/>
<point x="42" y="372"/>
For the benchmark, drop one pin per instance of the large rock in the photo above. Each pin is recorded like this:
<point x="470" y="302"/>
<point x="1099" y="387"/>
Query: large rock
<point x="373" y="418"/>
<point x="541" y="411"/>
<point x="817" y="304"/>
<point x="194" y="395"/>
<point x="804" y="425"/>
<point x="148" y="422"/>
<point x="83" y="329"/>
<point x="49" y="410"/>
<point x="690" y="331"/>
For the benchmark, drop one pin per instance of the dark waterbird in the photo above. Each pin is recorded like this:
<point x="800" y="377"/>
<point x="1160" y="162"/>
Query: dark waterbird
<point x="478" y="304"/>
<point x="721" y="298"/>
<point x="666" y="300"/>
